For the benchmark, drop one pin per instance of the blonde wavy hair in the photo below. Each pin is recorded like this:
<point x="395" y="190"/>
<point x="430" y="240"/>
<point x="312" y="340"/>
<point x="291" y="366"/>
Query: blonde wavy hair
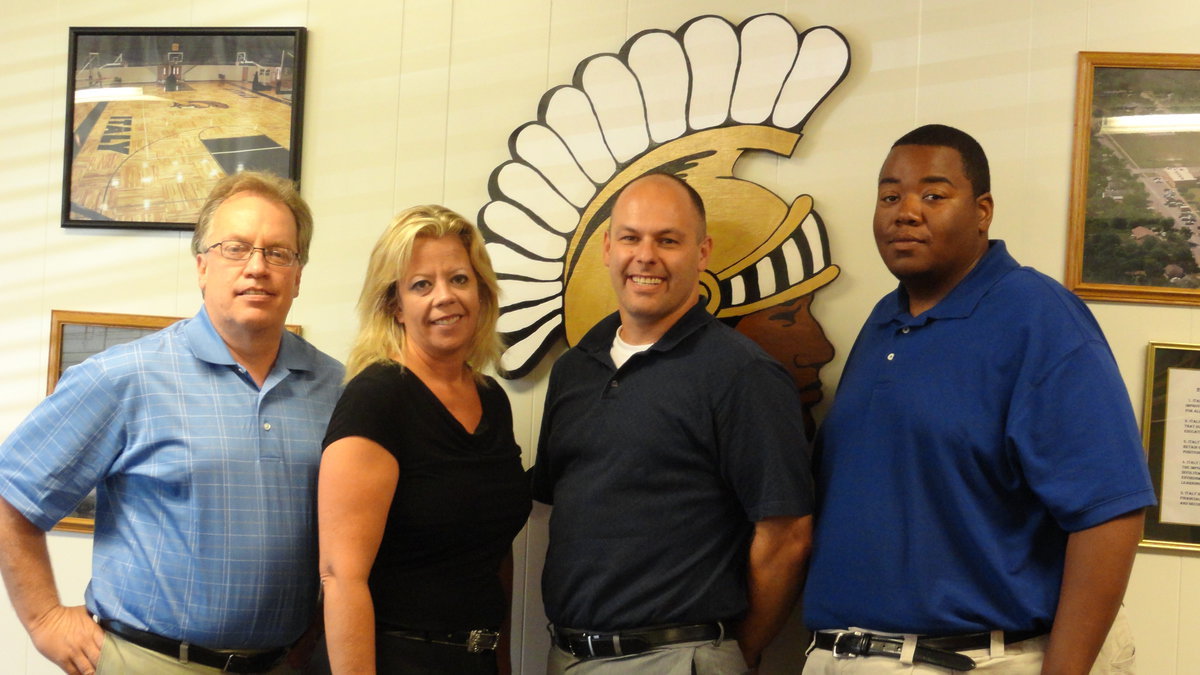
<point x="381" y="338"/>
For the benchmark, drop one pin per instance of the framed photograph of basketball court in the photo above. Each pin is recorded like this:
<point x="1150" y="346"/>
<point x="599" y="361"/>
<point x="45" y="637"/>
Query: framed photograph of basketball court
<point x="1135" y="190"/>
<point x="1171" y="434"/>
<point x="75" y="336"/>
<point x="156" y="116"/>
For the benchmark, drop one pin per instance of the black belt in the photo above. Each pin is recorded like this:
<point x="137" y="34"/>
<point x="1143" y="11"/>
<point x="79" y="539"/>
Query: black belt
<point x="585" y="645"/>
<point x="230" y="662"/>
<point x="474" y="641"/>
<point x="937" y="651"/>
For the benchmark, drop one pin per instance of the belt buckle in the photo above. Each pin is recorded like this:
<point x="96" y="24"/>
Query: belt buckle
<point x="480" y="640"/>
<point x="585" y="638"/>
<point x="837" y="643"/>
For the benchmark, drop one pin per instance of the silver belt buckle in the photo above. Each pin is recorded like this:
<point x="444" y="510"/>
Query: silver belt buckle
<point x="480" y="640"/>
<point x="837" y="642"/>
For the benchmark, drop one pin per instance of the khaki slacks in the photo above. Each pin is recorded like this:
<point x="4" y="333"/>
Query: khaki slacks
<point x="1021" y="658"/>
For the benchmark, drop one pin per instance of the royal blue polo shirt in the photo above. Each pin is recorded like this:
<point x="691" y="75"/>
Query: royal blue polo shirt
<point x="962" y="447"/>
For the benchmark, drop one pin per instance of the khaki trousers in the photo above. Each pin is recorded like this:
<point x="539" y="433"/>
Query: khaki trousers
<point x="121" y="657"/>
<point x="1021" y="658"/>
<point x="685" y="658"/>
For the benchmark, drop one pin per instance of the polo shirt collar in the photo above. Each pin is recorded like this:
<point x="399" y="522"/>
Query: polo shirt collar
<point x="206" y="344"/>
<point x="598" y="340"/>
<point x="961" y="301"/>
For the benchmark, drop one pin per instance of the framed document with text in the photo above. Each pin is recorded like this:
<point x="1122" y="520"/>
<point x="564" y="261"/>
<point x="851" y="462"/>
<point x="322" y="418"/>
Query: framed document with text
<point x="1171" y="433"/>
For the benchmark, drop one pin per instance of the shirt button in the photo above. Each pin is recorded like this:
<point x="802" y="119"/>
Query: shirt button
<point x="266" y="426"/>
<point x="905" y="330"/>
<point x="891" y="356"/>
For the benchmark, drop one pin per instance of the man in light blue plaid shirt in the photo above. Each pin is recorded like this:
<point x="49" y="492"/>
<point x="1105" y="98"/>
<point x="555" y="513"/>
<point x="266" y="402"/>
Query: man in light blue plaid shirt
<point x="203" y="442"/>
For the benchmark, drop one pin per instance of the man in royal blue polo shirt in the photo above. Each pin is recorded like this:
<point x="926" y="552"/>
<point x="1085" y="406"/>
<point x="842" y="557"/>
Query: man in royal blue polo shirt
<point x="980" y="475"/>
<point x="681" y="492"/>
<point x="203" y="442"/>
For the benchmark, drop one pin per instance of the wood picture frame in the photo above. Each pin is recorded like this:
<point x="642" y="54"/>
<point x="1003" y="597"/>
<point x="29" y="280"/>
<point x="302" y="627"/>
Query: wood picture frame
<point x="156" y="116"/>
<point x="74" y="336"/>
<point x="1171" y="435"/>
<point x="1135" y="197"/>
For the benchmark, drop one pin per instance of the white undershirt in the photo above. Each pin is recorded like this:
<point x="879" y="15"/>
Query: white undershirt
<point x="622" y="350"/>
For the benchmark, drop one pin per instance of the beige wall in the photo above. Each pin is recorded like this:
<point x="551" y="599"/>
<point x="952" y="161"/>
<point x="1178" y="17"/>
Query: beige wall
<point x="413" y="101"/>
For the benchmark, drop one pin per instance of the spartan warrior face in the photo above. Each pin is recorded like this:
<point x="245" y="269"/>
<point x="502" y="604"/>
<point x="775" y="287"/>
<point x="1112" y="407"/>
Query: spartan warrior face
<point x="688" y="103"/>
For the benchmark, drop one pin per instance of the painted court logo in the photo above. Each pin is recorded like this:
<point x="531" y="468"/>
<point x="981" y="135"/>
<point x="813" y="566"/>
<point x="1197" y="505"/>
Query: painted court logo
<point x="689" y="102"/>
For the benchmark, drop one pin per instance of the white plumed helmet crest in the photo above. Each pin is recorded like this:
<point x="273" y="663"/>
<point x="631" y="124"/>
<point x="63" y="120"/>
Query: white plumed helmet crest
<point x="688" y="102"/>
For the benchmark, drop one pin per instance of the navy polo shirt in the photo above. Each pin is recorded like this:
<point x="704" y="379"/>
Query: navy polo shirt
<point x="658" y="471"/>
<point x="962" y="447"/>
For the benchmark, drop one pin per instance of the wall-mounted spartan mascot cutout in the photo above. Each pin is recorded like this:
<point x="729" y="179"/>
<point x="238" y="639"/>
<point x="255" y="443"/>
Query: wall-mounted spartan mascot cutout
<point x="689" y="102"/>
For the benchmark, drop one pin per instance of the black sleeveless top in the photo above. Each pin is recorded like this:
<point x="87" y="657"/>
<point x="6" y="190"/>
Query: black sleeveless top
<point x="460" y="500"/>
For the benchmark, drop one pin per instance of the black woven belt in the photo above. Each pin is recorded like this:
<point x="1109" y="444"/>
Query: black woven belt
<point x="473" y="641"/>
<point x="230" y="662"/>
<point x="937" y="651"/>
<point x="585" y="645"/>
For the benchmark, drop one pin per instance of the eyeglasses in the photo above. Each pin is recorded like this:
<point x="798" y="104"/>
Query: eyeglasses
<point x="241" y="251"/>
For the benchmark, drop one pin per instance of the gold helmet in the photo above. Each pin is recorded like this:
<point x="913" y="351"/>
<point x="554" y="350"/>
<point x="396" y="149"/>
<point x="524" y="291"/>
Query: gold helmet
<point x="689" y="103"/>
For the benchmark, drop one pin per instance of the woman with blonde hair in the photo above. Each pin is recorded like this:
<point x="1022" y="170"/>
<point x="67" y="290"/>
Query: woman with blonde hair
<point x="421" y="490"/>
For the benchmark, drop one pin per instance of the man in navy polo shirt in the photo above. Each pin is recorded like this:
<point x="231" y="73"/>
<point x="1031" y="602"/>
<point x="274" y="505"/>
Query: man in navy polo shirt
<point x="980" y="475"/>
<point x="681" y="492"/>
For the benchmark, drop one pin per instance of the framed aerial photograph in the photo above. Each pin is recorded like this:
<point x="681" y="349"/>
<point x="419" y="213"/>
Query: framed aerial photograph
<point x="1171" y="433"/>
<point x="1135" y="189"/>
<point x="74" y="336"/>
<point x="156" y="116"/>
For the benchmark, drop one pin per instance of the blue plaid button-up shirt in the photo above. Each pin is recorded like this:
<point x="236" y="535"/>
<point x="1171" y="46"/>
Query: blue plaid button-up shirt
<point x="205" y="525"/>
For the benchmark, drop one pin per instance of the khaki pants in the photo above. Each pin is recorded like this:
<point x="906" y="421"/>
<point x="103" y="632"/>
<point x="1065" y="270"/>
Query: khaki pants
<point x="1021" y="658"/>
<point x="121" y="657"/>
<point x="685" y="658"/>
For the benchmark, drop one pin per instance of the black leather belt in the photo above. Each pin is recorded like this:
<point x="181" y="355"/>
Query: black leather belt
<point x="474" y="641"/>
<point x="585" y="645"/>
<point x="230" y="662"/>
<point x="937" y="651"/>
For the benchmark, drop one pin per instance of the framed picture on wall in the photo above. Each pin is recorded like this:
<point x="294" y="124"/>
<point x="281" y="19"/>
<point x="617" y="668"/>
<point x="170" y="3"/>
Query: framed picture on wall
<point x="1135" y="189"/>
<point x="75" y="336"/>
<point x="1171" y="433"/>
<point x="156" y="116"/>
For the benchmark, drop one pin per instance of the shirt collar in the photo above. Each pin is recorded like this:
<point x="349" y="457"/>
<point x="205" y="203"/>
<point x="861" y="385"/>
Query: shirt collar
<point x="206" y="344"/>
<point x="598" y="340"/>
<point x="961" y="301"/>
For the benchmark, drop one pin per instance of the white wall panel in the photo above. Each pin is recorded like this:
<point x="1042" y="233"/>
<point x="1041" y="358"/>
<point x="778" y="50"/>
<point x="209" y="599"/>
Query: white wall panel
<point x="1152" y="603"/>
<point x="349" y="146"/>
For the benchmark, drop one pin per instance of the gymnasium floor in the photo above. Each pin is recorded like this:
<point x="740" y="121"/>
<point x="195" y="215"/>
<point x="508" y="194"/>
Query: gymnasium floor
<point x="153" y="157"/>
